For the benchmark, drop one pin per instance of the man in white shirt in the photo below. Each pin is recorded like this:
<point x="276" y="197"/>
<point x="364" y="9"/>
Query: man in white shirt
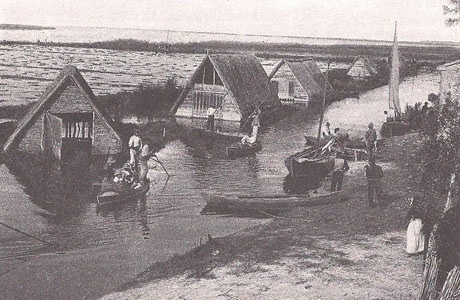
<point x="134" y="144"/>
<point x="211" y="112"/>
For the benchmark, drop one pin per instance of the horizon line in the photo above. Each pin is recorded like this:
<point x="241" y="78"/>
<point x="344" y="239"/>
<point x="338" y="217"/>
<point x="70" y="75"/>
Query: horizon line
<point x="247" y="34"/>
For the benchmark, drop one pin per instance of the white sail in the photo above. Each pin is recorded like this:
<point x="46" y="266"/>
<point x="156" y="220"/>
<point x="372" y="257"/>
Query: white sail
<point x="394" y="79"/>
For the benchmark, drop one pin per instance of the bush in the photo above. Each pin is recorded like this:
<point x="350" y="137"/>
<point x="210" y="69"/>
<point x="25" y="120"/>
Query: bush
<point x="145" y="101"/>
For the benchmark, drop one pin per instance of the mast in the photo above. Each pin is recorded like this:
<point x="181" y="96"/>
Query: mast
<point x="394" y="78"/>
<point x="323" y="105"/>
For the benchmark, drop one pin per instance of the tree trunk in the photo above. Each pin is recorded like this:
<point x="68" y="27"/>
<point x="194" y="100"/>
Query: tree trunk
<point x="432" y="262"/>
<point x="450" y="200"/>
<point x="451" y="289"/>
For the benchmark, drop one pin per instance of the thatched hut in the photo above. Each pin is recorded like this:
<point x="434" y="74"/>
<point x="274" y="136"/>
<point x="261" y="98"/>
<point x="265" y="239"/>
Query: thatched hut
<point x="362" y="68"/>
<point x="66" y="123"/>
<point x="236" y="84"/>
<point x="449" y="84"/>
<point x="299" y="81"/>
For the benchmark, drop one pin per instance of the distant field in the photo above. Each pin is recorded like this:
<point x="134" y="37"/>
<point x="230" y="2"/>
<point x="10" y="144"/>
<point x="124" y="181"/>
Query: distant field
<point x="431" y="54"/>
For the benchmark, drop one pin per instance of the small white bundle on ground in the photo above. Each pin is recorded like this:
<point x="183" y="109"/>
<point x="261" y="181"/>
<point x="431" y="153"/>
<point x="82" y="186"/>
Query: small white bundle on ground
<point x="415" y="237"/>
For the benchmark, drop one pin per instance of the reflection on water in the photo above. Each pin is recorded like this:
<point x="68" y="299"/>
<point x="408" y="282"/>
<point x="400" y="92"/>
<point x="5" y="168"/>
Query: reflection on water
<point x="102" y="249"/>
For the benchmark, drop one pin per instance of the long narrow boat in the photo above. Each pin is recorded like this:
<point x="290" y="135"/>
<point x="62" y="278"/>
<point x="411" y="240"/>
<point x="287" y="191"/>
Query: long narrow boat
<point x="242" y="150"/>
<point x="267" y="204"/>
<point x="115" y="195"/>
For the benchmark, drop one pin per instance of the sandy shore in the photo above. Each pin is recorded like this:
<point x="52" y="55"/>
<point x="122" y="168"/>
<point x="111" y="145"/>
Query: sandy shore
<point x="342" y="251"/>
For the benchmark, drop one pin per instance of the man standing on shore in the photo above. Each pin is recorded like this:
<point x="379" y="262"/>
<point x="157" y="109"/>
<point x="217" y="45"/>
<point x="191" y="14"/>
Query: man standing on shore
<point x="371" y="138"/>
<point x="210" y="112"/>
<point x="340" y="167"/>
<point x="374" y="174"/>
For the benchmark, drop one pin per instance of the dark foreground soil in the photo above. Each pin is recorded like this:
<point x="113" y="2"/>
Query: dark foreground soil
<point x="341" y="251"/>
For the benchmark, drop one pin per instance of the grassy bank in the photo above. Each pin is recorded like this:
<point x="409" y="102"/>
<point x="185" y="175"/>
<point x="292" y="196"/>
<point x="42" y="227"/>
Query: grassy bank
<point x="342" y="251"/>
<point x="429" y="55"/>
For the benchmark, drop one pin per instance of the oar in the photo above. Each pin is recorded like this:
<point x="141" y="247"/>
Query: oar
<point x="161" y="164"/>
<point x="26" y="234"/>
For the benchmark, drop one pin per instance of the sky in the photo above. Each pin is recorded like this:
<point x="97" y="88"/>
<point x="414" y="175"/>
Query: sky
<point x="418" y="20"/>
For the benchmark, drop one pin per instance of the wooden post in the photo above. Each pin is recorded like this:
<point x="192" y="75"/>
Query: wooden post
<point x="451" y="289"/>
<point x="431" y="270"/>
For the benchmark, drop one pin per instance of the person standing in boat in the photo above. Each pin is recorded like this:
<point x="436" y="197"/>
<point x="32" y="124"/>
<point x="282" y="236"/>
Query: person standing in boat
<point x="340" y="167"/>
<point x="341" y="137"/>
<point x="108" y="169"/>
<point x="211" y="114"/>
<point x="371" y="138"/>
<point x="135" y="145"/>
<point x="144" y="156"/>
<point x="374" y="174"/>
<point x="255" y="129"/>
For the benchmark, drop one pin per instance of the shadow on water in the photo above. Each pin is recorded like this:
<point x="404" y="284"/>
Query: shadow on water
<point x="62" y="190"/>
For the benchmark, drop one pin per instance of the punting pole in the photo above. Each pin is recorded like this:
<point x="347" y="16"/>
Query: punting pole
<point x="26" y="234"/>
<point x="161" y="164"/>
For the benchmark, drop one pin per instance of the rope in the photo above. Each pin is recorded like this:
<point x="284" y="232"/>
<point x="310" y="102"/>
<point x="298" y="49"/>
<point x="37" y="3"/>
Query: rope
<point x="26" y="234"/>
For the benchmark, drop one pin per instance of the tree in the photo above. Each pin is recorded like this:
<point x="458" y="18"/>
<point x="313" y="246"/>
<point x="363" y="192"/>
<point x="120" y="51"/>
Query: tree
<point x="452" y="11"/>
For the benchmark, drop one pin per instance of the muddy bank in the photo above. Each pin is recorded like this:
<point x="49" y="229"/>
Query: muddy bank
<point x="355" y="251"/>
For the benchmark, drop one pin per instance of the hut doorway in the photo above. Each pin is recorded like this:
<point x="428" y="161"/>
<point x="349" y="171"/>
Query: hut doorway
<point x="77" y="137"/>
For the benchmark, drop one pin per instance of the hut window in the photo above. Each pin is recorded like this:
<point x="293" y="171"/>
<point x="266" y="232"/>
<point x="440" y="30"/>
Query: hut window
<point x="291" y="88"/>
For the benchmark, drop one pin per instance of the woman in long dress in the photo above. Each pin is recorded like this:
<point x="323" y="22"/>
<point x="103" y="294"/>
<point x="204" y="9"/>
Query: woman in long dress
<point x="415" y="234"/>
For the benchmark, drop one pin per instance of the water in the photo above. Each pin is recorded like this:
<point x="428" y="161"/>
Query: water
<point x="102" y="249"/>
<point x="94" y="34"/>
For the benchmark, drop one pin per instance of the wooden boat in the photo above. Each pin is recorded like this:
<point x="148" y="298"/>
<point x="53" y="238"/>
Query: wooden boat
<point x="267" y="204"/>
<point x="242" y="150"/>
<point x="352" y="144"/>
<point x="394" y="125"/>
<point x="116" y="196"/>
<point x="394" y="128"/>
<point x="309" y="164"/>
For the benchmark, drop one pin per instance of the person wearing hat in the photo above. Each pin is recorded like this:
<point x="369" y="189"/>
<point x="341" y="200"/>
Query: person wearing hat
<point x="371" y="138"/>
<point x="109" y="168"/>
<point x="135" y="145"/>
<point x="374" y="174"/>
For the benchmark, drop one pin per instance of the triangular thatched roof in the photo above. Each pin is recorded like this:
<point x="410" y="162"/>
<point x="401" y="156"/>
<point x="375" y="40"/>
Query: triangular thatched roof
<point x="303" y="74"/>
<point x="369" y="64"/>
<point x="69" y="72"/>
<point x="244" y="79"/>
<point x="315" y="71"/>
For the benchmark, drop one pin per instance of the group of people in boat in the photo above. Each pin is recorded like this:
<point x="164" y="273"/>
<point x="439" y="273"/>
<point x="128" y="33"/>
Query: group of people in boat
<point x="132" y="174"/>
